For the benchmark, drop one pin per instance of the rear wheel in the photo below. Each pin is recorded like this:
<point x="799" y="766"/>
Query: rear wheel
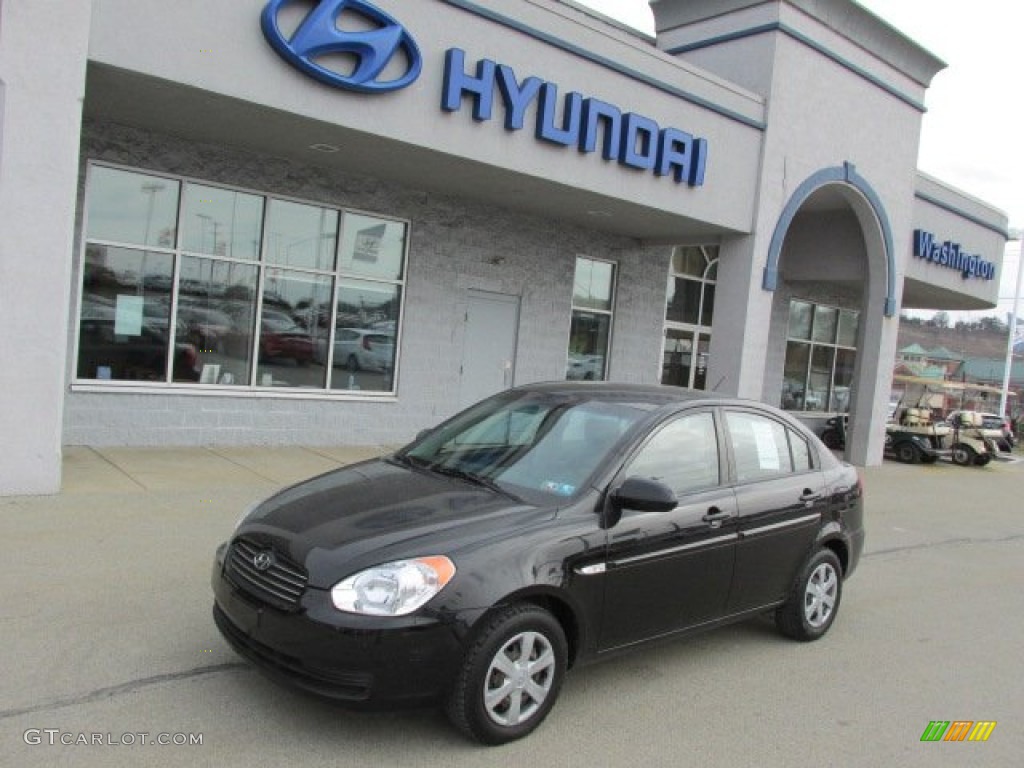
<point x="908" y="453"/>
<point x="814" y="598"/>
<point x="511" y="676"/>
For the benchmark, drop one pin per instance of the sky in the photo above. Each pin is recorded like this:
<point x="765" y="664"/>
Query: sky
<point x="969" y="135"/>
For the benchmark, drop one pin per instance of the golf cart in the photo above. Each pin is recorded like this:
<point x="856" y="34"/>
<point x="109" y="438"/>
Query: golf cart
<point x="914" y="435"/>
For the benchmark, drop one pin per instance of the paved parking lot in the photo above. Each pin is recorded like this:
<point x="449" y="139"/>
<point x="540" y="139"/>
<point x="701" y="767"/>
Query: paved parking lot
<point x="107" y="635"/>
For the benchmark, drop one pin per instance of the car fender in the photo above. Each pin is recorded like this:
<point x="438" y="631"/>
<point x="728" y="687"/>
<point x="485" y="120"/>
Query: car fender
<point x="833" y="536"/>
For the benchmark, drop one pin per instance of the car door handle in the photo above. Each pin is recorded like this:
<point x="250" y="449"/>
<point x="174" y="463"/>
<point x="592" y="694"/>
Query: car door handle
<point x="715" y="516"/>
<point x="809" y="496"/>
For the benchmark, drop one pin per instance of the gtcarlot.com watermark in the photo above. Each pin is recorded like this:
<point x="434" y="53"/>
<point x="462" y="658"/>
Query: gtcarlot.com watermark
<point x="54" y="737"/>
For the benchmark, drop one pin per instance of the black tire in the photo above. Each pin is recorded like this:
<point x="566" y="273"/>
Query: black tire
<point x="352" y="363"/>
<point x="908" y="453"/>
<point x="963" y="455"/>
<point x="531" y="692"/>
<point x="982" y="460"/>
<point x="814" y="598"/>
<point x="928" y="459"/>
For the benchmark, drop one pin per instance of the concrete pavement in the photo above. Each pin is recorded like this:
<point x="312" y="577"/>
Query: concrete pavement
<point x="106" y="632"/>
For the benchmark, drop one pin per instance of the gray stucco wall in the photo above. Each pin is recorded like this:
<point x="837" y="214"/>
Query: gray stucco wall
<point x="42" y="74"/>
<point x="455" y="246"/>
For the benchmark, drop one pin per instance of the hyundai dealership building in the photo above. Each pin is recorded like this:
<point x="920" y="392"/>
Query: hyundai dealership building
<point x="338" y="222"/>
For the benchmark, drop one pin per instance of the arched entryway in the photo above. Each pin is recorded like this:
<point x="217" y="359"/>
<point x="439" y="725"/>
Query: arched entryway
<point x="831" y="267"/>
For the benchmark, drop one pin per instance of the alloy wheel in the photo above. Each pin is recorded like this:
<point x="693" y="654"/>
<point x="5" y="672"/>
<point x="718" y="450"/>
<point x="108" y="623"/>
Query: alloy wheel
<point x="519" y="679"/>
<point x="820" y="595"/>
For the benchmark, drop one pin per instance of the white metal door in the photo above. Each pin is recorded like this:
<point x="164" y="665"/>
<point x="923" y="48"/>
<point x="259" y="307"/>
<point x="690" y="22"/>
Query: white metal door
<point x="489" y="349"/>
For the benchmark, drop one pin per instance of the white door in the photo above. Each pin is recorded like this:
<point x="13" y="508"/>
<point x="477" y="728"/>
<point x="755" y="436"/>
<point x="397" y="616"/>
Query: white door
<point x="489" y="349"/>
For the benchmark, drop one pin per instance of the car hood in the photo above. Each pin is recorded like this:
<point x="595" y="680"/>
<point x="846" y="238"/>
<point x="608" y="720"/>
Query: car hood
<point x="376" y="512"/>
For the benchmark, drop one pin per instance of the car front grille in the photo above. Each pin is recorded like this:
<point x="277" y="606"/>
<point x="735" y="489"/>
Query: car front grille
<point x="265" y="574"/>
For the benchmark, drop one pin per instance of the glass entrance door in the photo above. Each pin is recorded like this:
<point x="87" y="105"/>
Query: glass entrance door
<point x="685" y="358"/>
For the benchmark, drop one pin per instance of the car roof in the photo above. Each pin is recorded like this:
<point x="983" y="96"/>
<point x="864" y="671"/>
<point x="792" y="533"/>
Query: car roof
<point x="647" y="393"/>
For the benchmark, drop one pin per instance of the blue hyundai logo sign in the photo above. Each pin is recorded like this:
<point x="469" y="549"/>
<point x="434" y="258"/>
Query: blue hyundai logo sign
<point x="319" y="35"/>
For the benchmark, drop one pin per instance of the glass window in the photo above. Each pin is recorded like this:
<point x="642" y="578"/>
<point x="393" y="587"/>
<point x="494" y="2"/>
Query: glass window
<point x="222" y="222"/>
<point x="372" y="247"/>
<point x="677" y="362"/>
<point x="216" y="307"/>
<point x="794" y="382"/>
<point x="684" y="300"/>
<point x="292" y="348"/>
<point x="820" y="357"/>
<point x="800" y="315"/>
<point x="819" y="382"/>
<point x="303" y="236"/>
<point x="707" y="310"/>
<point x="591" y="322"/>
<point x="592" y="284"/>
<point x="689" y="260"/>
<point x="132" y="208"/>
<point x="759" y="445"/>
<point x="801" y="452"/>
<point x="842" y="380"/>
<point x="124" y="331"/>
<point x="540" y="447"/>
<point x="589" y="333"/>
<point x="223" y="304"/>
<point x="825" y="322"/>
<point x="364" y="340"/>
<point x="683" y="455"/>
<point x="848" y="322"/>
<point x="689" y="313"/>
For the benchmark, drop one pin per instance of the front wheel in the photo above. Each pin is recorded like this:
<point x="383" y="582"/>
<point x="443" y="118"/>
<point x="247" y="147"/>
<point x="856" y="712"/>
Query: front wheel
<point x="963" y="455"/>
<point x="511" y="676"/>
<point x="831" y="439"/>
<point x="814" y="598"/>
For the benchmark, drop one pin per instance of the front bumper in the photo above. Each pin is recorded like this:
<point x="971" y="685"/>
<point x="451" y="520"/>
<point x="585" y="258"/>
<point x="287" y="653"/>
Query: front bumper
<point x="368" y="662"/>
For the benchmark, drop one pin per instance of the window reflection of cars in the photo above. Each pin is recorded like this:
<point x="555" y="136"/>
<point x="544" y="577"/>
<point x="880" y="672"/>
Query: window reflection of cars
<point x="360" y="349"/>
<point x="205" y="327"/>
<point x="282" y="338"/>
<point x="105" y="354"/>
<point x="585" y="367"/>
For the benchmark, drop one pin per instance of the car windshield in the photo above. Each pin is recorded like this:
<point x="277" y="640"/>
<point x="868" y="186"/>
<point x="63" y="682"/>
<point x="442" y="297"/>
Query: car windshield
<point x="532" y="446"/>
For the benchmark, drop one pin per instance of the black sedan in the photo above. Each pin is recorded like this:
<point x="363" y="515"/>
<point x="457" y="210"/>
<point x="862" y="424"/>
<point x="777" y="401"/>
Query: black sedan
<point x="542" y="528"/>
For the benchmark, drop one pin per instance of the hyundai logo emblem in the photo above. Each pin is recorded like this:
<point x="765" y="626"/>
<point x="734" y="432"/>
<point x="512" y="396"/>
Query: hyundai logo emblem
<point x="319" y="35"/>
<point x="263" y="560"/>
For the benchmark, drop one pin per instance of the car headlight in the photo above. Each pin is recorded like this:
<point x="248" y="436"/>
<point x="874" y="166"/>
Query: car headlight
<point x="393" y="589"/>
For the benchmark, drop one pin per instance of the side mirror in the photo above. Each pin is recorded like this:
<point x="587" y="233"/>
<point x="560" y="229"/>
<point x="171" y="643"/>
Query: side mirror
<point x="641" y="494"/>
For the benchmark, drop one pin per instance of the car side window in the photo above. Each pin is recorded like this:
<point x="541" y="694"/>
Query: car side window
<point x="683" y="455"/>
<point x="759" y="445"/>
